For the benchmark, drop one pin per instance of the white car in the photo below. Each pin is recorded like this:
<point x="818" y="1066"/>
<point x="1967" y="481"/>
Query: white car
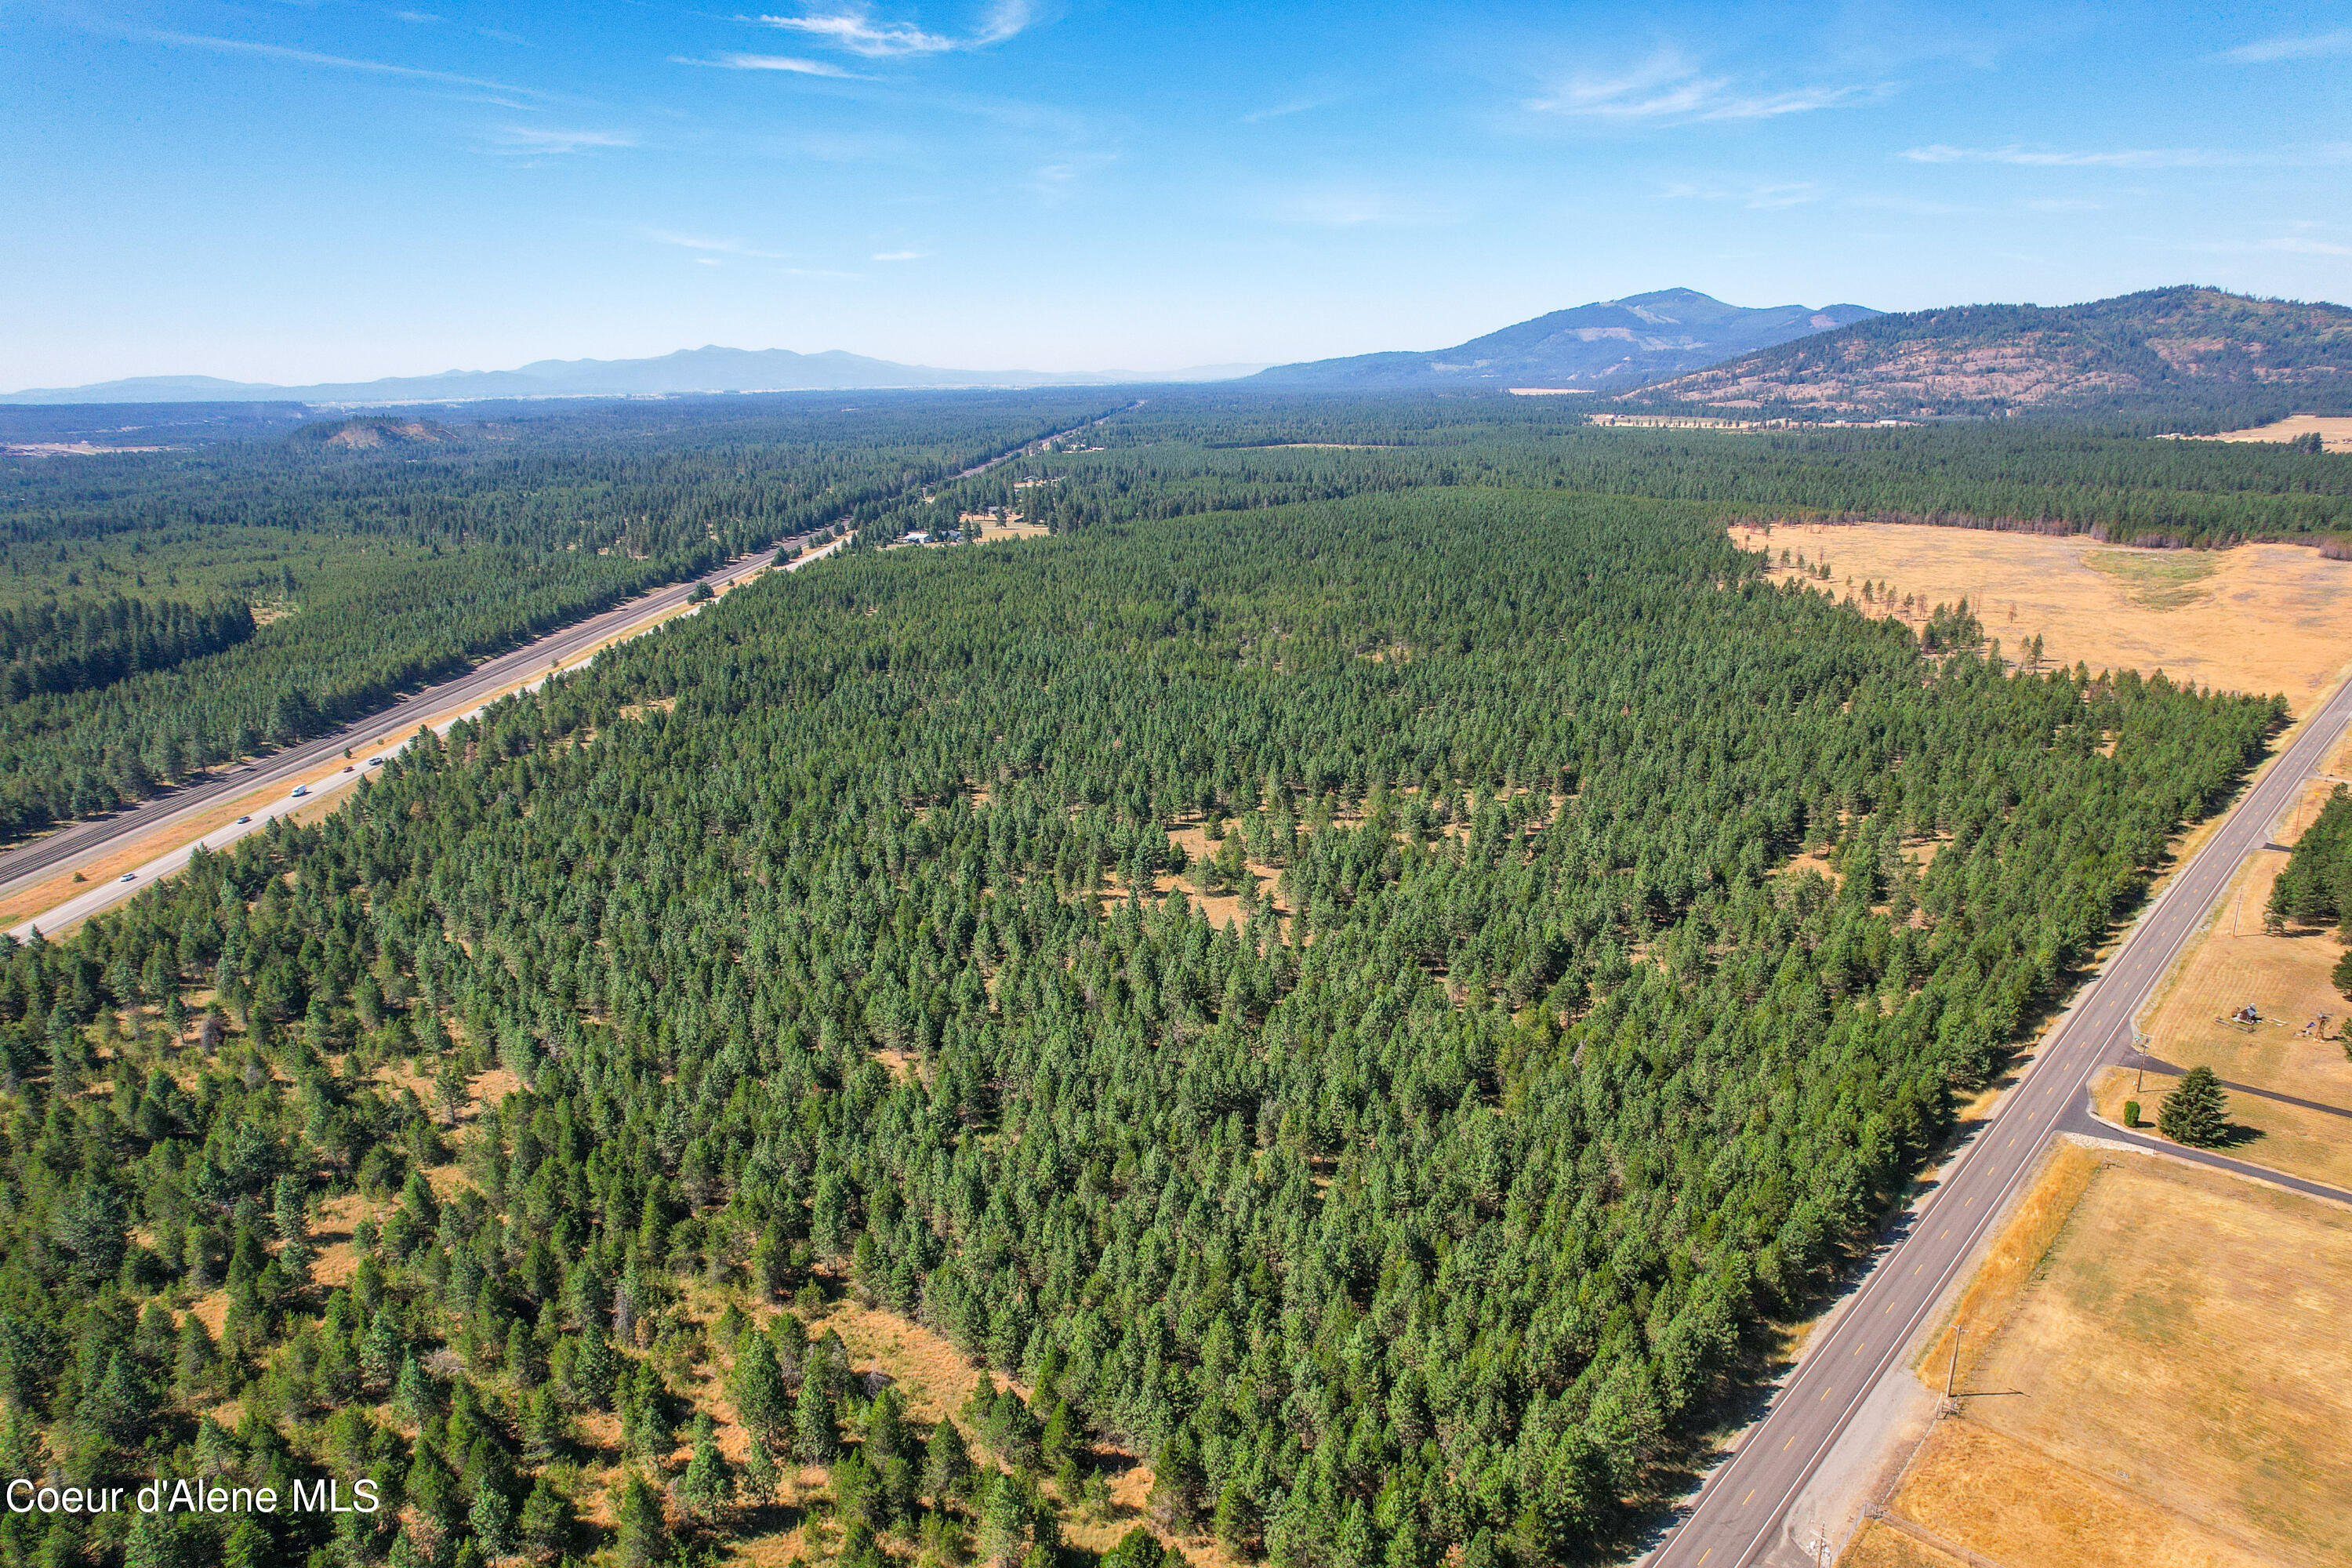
<point x="128" y="877"/>
<point x="376" y="761"/>
<point x="300" y="791"/>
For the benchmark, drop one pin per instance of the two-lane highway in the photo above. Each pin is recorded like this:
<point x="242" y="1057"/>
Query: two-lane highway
<point x="1741" y="1514"/>
<point x="75" y="846"/>
<point x="72" y="846"/>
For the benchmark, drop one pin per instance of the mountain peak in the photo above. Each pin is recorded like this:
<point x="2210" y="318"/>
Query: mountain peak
<point x="1609" y="344"/>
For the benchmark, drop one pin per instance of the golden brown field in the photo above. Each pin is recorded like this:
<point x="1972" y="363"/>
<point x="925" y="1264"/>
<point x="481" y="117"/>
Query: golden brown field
<point x="2258" y="618"/>
<point x="2165" y="1385"/>
<point x="2334" y="434"/>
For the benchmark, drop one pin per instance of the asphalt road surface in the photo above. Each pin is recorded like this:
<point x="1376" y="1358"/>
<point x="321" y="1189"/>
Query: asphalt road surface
<point x="71" y="847"/>
<point x="1741" y="1515"/>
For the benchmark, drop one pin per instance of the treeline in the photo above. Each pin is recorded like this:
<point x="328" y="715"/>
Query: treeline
<point x="1168" y="460"/>
<point x="51" y="648"/>
<point x="2315" y="887"/>
<point x="1422" y="1214"/>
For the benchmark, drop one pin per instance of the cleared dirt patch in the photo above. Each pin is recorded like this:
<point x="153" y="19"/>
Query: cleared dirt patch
<point x="2169" y="1386"/>
<point x="2259" y="618"/>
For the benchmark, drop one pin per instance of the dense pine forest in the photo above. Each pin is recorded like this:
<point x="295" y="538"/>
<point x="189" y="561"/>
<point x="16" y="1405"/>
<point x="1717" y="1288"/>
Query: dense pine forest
<point x="1213" y="450"/>
<point x="379" y="555"/>
<point x="1363" y="981"/>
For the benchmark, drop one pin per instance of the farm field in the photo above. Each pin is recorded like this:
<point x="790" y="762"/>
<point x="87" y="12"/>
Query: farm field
<point x="2335" y="431"/>
<point x="2161" y="1384"/>
<point x="2257" y="617"/>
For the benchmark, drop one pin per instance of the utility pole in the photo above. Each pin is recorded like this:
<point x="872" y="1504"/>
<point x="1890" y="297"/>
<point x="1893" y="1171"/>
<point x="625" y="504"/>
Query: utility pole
<point x="1952" y="1372"/>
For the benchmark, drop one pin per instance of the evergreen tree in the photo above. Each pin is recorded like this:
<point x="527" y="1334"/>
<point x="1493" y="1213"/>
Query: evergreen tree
<point x="548" y="1522"/>
<point x="491" y="1520"/>
<point x="817" y="1427"/>
<point x="947" y="1463"/>
<point x="758" y="1389"/>
<point x="708" y="1484"/>
<point x="643" y="1537"/>
<point x="2196" y="1113"/>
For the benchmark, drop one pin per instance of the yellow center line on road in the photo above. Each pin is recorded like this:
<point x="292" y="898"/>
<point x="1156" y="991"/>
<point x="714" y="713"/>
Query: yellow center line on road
<point x="1826" y="1393"/>
<point x="1703" y="1556"/>
<point x="1751" y="1492"/>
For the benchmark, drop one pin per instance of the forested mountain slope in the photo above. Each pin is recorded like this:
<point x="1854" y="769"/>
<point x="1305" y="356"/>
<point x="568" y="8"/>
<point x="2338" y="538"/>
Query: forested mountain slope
<point x="1419" y="1215"/>
<point x="1613" y="343"/>
<point x="2178" y="353"/>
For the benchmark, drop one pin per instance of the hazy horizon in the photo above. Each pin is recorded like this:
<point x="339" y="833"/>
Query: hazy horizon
<point x="354" y="192"/>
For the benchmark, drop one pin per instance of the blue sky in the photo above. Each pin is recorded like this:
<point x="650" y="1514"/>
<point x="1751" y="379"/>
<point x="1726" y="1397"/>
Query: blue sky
<point x="330" y="190"/>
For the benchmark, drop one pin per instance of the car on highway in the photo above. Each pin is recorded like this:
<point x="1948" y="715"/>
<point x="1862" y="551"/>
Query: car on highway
<point x="376" y="761"/>
<point x="128" y="877"/>
<point x="300" y="791"/>
<point x="243" y="820"/>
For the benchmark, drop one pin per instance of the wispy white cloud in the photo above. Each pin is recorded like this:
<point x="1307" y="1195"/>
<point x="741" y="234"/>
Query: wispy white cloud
<point x="331" y="62"/>
<point x="1668" y="87"/>
<point x="735" y="61"/>
<point x="2269" y="51"/>
<point x="857" y="30"/>
<point x="2132" y="157"/>
<point x="1282" y="111"/>
<point x="1053" y="181"/>
<point x="1755" y="197"/>
<point x="541" y="139"/>
<point x="2052" y="158"/>
<point x="898" y="255"/>
<point x="712" y="244"/>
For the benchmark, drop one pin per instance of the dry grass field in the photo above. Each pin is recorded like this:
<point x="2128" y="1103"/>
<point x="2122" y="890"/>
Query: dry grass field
<point x="1882" y="1545"/>
<point x="2163" y="1382"/>
<point x="2259" y="618"/>
<point x="2334" y="434"/>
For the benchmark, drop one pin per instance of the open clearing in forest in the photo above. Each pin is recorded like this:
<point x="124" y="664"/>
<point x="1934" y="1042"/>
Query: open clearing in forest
<point x="2164" y="1384"/>
<point x="2335" y="432"/>
<point x="2257" y="617"/>
<point x="2287" y="980"/>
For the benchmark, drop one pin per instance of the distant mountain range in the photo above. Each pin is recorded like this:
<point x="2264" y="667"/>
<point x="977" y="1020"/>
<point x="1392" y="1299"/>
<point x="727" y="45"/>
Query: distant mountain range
<point x="2167" y="351"/>
<point x="687" y="371"/>
<point x="1611" y="345"/>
